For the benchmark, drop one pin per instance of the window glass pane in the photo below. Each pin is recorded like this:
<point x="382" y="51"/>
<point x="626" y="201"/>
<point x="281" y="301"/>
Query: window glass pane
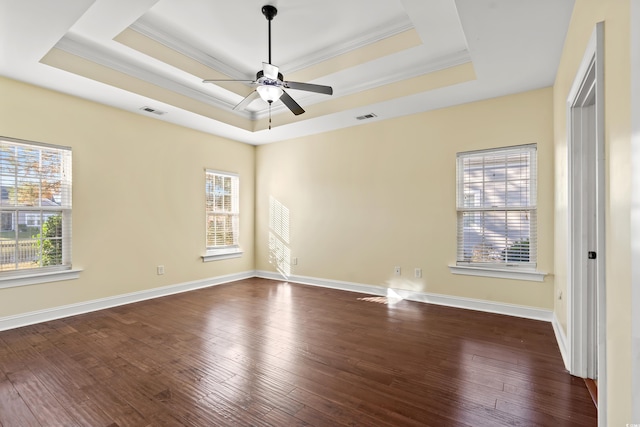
<point x="496" y="236"/>
<point x="28" y="191"/>
<point x="8" y="191"/>
<point x="19" y="255"/>
<point x="51" y="178"/>
<point x="51" y="239"/>
<point x="220" y="230"/>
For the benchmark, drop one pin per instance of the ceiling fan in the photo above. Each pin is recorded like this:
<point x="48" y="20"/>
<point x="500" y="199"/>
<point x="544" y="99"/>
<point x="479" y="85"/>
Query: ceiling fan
<point x="270" y="82"/>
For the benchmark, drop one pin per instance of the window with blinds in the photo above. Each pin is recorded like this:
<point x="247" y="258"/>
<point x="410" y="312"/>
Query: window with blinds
<point x="222" y="210"/>
<point x="35" y="206"/>
<point x="496" y="206"/>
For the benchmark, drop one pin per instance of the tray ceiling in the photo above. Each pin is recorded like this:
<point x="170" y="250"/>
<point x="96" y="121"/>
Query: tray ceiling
<point x="383" y="58"/>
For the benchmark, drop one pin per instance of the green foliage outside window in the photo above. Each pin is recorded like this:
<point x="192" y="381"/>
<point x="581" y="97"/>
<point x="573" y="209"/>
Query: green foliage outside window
<point x="50" y="241"/>
<point x="517" y="252"/>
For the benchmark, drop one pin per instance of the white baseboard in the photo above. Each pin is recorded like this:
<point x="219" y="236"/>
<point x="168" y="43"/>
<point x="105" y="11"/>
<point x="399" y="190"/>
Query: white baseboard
<point x="33" y="317"/>
<point x="446" y="300"/>
<point x="30" y="318"/>
<point x="324" y="283"/>
<point x="562" y="340"/>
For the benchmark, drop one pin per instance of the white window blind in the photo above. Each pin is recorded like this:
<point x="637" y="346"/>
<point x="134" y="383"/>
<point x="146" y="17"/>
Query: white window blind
<point x="222" y="209"/>
<point x="35" y="206"/>
<point x="496" y="206"/>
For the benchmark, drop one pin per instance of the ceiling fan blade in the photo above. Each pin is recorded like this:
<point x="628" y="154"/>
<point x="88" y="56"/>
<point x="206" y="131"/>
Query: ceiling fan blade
<point x="291" y="104"/>
<point x="226" y="80"/>
<point x="327" y="90"/>
<point x="248" y="100"/>
<point x="270" y="71"/>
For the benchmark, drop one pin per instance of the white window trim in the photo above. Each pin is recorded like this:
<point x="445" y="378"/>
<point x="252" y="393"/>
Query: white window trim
<point x="227" y="252"/>
<point x="222" y="253"/>
<point x="37" y="278"/>
<point x="503" y="271"/>
<point x="516" y="273"/>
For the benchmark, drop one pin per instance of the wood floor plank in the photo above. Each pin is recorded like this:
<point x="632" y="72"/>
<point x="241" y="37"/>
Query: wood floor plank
<point x="14" y="411"/>
<point x="268" y="353"/>
<point x="46" y="408"/>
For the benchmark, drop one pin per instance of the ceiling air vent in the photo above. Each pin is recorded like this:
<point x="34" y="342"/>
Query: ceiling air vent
<point x="366" y="116"/>
<point x="153" y="111"/>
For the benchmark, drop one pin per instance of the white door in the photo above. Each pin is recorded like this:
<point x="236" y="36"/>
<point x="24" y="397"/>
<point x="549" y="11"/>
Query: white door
<point x="585" y="113"/>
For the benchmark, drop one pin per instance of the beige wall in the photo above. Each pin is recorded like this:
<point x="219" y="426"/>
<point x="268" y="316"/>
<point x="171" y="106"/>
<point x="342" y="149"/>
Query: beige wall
<point x="349" y="204"/>
<point x="365" y="199"/>
<point x="138" y="196"/>
<point x="617" y="86"/>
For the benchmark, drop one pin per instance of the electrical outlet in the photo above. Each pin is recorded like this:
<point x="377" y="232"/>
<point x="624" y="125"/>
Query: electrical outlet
<point x="396" y="271"/>
<point x="418" y="273"/>
<point x="294" y="261"/>
<point x="160" y="270"/>
<point x="560" y="295"/>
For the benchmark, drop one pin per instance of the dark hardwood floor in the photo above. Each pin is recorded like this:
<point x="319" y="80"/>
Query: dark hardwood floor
<point x="260" y="352"/>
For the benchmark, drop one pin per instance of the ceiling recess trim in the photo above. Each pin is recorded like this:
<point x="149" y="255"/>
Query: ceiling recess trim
<point x="442" y="63"/>
<point x="155" y="33"/>
<point x="393" y="27"/>
<point x="101" y="56"/>
<point x="151" y="31"/>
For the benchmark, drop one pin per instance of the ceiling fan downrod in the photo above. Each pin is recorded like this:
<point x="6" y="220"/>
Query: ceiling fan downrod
<point x="269" y="12"/>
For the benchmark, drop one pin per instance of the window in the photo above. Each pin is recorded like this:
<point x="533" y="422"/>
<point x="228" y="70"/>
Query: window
<point x="222" y="215"/>
<point x="496" y="205"/>
<point x="35" y="207"/>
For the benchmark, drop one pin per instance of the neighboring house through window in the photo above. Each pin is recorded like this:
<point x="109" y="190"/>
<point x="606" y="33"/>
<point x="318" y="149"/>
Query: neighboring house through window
<point x="6" y="221"/>
<point x="496" y="205"/>
<point x="222" y="215"/>
<point x="35" y="207"/>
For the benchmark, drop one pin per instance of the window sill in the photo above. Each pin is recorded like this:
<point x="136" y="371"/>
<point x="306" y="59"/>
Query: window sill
<point x="36" y="278"/>
<point x="218" y="254"/>
<point x="517" y="274"/>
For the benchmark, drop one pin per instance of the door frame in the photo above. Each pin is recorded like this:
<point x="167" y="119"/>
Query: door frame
<point x="587" y="338"/>
<point x="635" y="208"/>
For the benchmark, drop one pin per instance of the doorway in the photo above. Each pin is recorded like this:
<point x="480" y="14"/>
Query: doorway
<point x="586" y="291"/>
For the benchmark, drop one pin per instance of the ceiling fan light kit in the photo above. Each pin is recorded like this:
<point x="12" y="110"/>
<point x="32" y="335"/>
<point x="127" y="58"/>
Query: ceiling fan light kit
<point x="270" y="82"/>
<point x="269" y="93"/>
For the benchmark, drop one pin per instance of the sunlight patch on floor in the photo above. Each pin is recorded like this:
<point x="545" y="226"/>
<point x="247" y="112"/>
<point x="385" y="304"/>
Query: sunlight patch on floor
<point x="391" y="298"/>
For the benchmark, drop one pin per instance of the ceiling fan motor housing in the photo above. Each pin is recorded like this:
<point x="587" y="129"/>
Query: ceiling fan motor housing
<point x="262" y="79"/>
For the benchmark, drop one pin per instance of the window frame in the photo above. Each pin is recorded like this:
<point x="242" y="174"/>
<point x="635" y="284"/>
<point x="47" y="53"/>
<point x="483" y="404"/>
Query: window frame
<point x="219" y="252"/>
<point x="43" y="273"/>
<point x="504" y="269"/>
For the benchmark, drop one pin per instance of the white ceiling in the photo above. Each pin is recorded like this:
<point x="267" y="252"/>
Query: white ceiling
<point x="386" y="57"/>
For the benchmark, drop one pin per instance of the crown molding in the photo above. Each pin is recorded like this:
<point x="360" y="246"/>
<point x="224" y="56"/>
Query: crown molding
<point x="438" y="64"/>
<point x="95" y="53"/>
<point x="393" y="27"/>
<point x="441" y="63"/>
<point x="155" y="33"/>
